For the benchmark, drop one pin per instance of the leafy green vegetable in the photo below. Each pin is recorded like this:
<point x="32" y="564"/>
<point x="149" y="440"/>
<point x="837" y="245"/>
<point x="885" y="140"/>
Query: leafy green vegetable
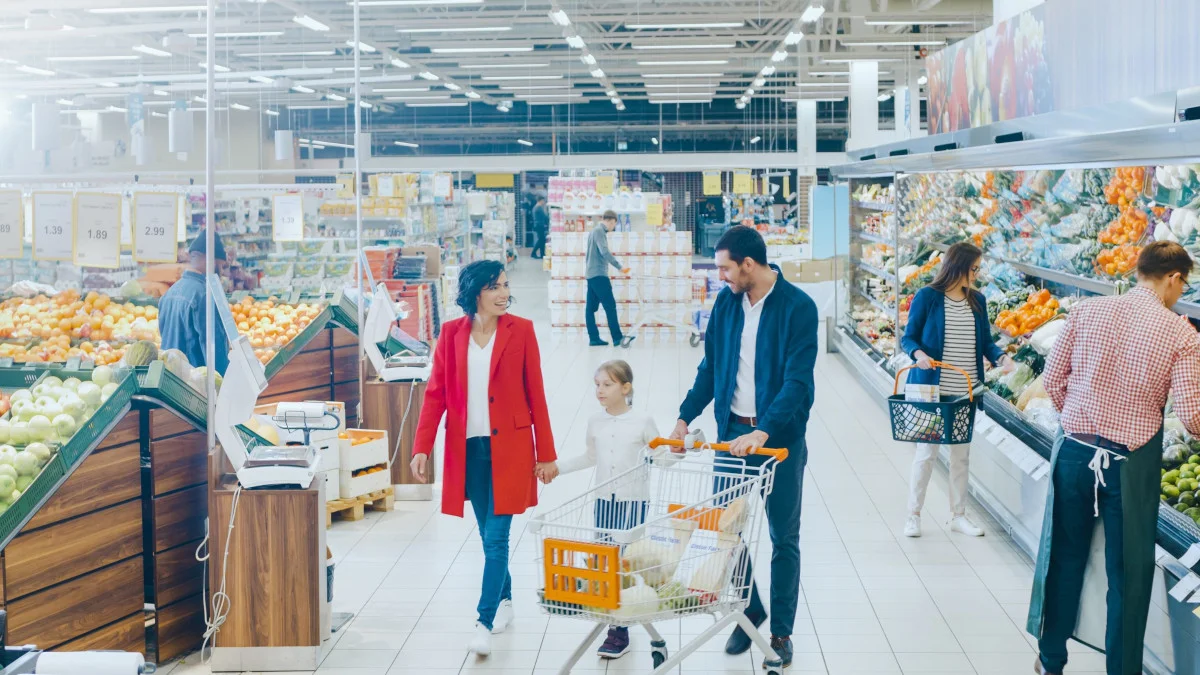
<point x="1030" y="357"/>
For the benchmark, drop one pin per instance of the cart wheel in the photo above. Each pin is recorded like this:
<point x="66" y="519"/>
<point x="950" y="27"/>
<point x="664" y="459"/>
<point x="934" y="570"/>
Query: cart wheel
<point x="658" y="657"/>
<point x="773" y="670"/>
<point x="694" y="340"/>
<point x="626" y="342"/>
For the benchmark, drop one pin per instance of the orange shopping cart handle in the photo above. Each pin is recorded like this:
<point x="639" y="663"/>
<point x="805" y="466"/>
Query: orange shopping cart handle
<point x="779" y="454"/>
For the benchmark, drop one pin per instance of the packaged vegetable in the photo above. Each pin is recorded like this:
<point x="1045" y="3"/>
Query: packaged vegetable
<point x="636" y="600"/>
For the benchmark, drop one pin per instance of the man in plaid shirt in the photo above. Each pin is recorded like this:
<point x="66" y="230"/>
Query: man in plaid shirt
<point x="1110" y="373"/>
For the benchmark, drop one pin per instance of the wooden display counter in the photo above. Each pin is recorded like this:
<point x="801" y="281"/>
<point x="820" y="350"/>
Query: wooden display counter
<point x="384" y="406"/>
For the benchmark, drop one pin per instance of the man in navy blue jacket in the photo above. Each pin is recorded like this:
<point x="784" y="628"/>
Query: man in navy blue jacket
<point x="759" y="353"/>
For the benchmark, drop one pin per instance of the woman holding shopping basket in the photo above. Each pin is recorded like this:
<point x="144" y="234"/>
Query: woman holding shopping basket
<point x="948" y="323"/>
<point x="487" y="380"/>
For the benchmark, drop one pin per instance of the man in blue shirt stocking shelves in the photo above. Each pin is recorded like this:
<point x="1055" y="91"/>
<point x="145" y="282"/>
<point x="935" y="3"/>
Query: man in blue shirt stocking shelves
<point x="759" y="354"/>
<point x="181" y="318"/>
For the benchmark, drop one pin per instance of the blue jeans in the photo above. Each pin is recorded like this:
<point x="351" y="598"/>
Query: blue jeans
<point x="1071" y="541"/>
<point x="783" y="524"/>
<point x="493" y="530"/>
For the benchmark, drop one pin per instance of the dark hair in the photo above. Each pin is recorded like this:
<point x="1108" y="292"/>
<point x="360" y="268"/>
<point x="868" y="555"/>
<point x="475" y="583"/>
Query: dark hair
<point x="956" y="265"/>
<point x="474" y="279"/>
<point x="609" y="215"/>
<point x="1162" y="259"/>
<point x="742" y="242"/>
<point x="541" y="198"/>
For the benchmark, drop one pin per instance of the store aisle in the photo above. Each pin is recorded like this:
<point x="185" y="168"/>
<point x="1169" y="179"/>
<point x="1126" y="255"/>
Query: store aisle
<point x="872" y="600"/>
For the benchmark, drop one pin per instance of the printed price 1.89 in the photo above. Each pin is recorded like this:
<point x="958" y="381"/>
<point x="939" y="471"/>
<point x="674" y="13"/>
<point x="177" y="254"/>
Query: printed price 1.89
<point x="98" y="235"/>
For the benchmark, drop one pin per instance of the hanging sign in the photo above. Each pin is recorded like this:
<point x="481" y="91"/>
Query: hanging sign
<point x="385" y="185"/>
<point x="287" y="217"/>
<point x="155" y="221"/>
<point x="712" y="183"/>
<point x="654" y="214"/>
<point x="12" y="218"/>
<point x="98" y="230"/>
<point x="345" y="184"/>
<point x="443" y="186"/>
<point x="604" y="184"/>
<point x="743" y="183"/>
<point x="787" y="187"/>
<point x="53" y="225"/>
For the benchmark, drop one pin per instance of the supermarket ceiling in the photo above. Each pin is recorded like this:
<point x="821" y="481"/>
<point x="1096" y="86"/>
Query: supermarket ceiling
<point x="472" y="69"/>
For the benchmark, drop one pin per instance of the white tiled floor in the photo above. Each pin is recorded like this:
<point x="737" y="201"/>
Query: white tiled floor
<point x="872" y="601"/>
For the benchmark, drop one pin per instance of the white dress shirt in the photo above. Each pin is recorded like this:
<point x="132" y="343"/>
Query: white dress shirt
<point x="479" y="370"/>
<point x="744" y="403"/>
<point x="614" y="446"/>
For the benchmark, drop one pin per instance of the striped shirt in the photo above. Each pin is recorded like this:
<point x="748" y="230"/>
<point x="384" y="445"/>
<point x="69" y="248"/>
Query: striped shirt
<point x="959" y="347"/>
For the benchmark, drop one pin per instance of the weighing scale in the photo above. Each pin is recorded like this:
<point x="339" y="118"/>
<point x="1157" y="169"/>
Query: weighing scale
<point x="245" y="379"/>
<point x="408" y="359"/>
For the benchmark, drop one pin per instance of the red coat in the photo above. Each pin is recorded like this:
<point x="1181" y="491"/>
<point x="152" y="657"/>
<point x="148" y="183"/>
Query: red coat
<point x="521" y="433"/>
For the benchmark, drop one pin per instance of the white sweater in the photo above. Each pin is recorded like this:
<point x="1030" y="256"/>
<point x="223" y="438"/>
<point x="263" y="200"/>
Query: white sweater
<point x="614" y="446"/>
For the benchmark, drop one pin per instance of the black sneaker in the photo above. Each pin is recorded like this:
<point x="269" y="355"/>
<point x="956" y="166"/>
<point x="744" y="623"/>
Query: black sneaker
<point x="616" y="644"/>
<point x="783" y="647"/>
<point x="738" y="641"/>
<point x="597" y="343"/>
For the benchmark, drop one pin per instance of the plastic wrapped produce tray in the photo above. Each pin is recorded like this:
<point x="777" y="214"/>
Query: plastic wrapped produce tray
<point x="156" y="382"/>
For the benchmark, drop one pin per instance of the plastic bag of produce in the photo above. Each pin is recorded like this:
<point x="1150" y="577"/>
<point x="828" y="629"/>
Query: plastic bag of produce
<point x="1042" y="414"/>
<point x="1020" y="378"/>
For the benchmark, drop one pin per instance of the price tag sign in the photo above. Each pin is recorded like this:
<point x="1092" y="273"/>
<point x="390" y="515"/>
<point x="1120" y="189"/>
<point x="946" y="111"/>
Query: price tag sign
<point x="53" y="225"/>
<point x="443" y="186"/>
<point x="712" y="183"/>
<point x="287" y="217"/>
<point x="155" y="227"/>
<point x="98" y="230"/>
<point x="12" y="219"/>
<point x="654" y="215"/>
<point x="385" y="185"/>
<point x="743" y="183"/>
<point x="604" y="184"/>
<point x="345" y="184"/>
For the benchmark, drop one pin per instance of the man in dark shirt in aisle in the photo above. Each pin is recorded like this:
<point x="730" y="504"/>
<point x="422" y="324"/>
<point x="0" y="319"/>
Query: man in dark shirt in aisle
<point x="599" y="287"/>
<point x="760" y="351"/>
<point x="541" y="227"/>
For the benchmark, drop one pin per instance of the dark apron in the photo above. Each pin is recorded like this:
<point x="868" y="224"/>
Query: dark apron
<point x="1140" y="489"/>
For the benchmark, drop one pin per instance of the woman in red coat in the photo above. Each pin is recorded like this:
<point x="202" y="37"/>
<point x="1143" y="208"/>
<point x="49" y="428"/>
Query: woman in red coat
<point x="487" y="379"/>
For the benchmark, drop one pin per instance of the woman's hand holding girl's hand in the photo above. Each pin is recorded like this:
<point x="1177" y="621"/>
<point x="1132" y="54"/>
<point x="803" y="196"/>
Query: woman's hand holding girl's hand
<point x="418" y="465"/>
<point x="546" y="471"/>
<point x="923" y="361"/>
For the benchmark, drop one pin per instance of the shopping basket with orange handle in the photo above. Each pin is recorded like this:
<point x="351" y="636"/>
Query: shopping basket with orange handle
<point x="685" y="552"/>
<point x="948" y="421"/>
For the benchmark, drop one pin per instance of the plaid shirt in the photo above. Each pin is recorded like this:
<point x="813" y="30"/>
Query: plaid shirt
<point x="1114" y="364"/>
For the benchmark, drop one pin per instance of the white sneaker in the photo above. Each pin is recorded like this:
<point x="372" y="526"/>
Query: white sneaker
<point x="504" y="617"/>
<point x="961" y="525"/>
<point x="912" y="526"/>
<point x="481" y="642"/>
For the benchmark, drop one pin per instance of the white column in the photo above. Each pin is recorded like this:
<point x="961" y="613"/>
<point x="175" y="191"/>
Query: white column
<point x="806" y="136"/>
<point x="864" y="104"/>
<point x="914" y="102"/>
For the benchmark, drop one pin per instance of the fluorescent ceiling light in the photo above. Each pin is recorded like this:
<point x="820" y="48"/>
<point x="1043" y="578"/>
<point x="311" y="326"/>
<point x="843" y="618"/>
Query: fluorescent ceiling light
<point x="200" y="99"/>
<point x="575" y="42"/>
<point x="611" y="92"/>
<point x="457" y="29"/>
<point x="862" y="58"/>
<point x="272" y="113"/>
<point x="461" y="104"/>
<point x="261" y="33"/>
<point x="755" y="140"/>
<point x="768" y="71"/>
<point x="893" y="43"/>
<point x="652" y="75"/>
<point x="161" y="92"/>
<point x="560" y="18"/>
<point x="615" y="101"/>
<point x="152" y="51"/>
<point x="473" y="95"/>
<point x="793" y="38"/>
<point x="588" y="60"/>
<point x="916" y="20"/>
<point x="110" y="85"/>
<point x="681" y="94"/>
<point x="500" y="78"/>
<point x="414" y="3"/>
<point x="681" y="85"/>
<point x="406" y="144"/>
<point x="779" y="56"/>
<point x="261" y="79"/>
<point x="36" y="71"/>
<point x="490" y="66"/>
<point x="149" y="10"/>
<point x="597" y="73"/>
<point x="63" y="101"/>
<point x="808" y="85"/>
<point x="654" y="140"/>
<point x="504" y="107"/>
<point x="435" y="97"/>
<point x="819" y="100"/>
<point x="620" y="106"/>
<point x="665" y="101"/>
<point x="500" y="49"/>
<point x="884" y="97"/>
<point x="571" y="95"/>
<point x="239" y="106"/>
<point x="749" y="91"/>
<point x="524" y="142"/>
<point x="532" y="87"/>
<point x="219" y="68"/>
<point x="452" y="87"/>
<point x="922" y="80"/>
<point x="813" y="13"/>
<point x="758" y="82"/>
<point x="128" y="57"/>
<point x="155" y="113"/>
<point x="672" y="45"/>
<point x="834" y="73"/>
<point x="116" y="108"/>
<point x="335" y="97"/>
<point x="426" y="75"/>
<point x="324" y="52"/>
<point x="717" y="62"/>
<point x="399" y="63"/>
<point x="362" y="47"/>
<point x="303" y="89"/>
<point x="392" y="90"/>
<point x="366" y="104"/>
<point x="740" y="104"/>
<point x="714" y="24"/>
<point x="310" y="23"/>
<point x="316" y="106"/>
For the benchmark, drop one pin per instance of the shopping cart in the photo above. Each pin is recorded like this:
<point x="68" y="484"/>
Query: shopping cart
<point x="648" y="317"/>
<point x="948" y="421"/>
<point x="687" y="554"/>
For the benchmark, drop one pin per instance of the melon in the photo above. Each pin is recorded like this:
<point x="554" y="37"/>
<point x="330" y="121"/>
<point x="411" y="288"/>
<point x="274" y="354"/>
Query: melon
<point x="141" y="353"/>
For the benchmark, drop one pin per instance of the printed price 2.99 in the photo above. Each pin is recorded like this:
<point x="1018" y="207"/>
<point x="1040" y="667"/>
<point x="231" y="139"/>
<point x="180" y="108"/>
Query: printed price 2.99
<point x="155" y="230"/>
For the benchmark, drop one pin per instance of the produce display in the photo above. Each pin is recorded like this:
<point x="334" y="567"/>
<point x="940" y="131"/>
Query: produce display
<point x="270" y="324"/>
<point x="1180" y="469"/>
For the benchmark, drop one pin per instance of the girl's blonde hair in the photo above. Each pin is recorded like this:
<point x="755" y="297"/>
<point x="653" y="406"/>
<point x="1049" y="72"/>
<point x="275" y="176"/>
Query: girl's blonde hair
<point x="621" y="373"/>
